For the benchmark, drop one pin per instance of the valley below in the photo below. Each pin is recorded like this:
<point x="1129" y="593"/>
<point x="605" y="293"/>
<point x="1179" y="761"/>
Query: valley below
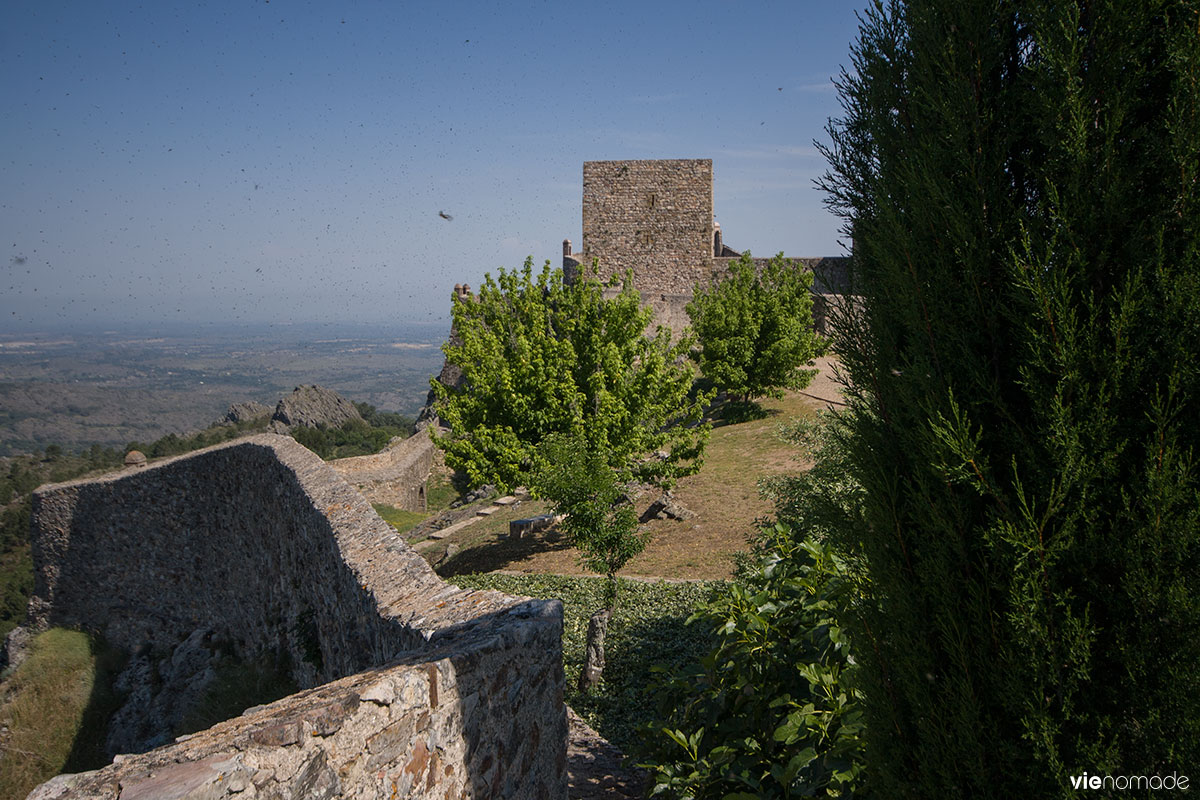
<point x="113" y="386"/>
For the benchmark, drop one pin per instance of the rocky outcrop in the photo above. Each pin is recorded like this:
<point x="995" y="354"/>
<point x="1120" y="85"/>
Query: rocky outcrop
<point x="246" y="412"/>
<point x="159" y="693"/>
<point x="313" y="407"/>
<point x="666" y="507"/>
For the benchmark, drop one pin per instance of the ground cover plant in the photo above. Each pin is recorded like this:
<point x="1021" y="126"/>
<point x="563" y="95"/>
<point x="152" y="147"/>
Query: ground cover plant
<point x="1022" y="185"/>
<point x="647" y="630"/>
<point x="399" y="518"/>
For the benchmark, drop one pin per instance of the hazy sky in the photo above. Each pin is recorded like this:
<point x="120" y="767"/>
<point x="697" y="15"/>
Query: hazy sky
<point x="286" y="161"/>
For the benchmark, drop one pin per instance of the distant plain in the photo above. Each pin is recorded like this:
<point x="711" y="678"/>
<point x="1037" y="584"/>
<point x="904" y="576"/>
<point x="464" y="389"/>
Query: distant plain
<point x="75" y="388"/>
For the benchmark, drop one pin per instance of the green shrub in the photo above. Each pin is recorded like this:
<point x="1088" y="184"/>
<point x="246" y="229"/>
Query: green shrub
<point x="353" y="438"/>
<point x="755" y="328"/>
<point x="647" y="630"/>
<point x="771" y="711"/>
<point x="238" y="685"/>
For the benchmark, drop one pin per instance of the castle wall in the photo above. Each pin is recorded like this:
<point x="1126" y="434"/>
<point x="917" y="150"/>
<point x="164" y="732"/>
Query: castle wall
<point x="422" y="689"/>
<point x="654" y="217"/>
<point x="396" y="476"/>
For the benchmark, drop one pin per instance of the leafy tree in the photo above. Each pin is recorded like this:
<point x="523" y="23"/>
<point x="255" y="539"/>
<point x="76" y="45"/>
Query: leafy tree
<point x="755" y="328"/>
<point x="563" y="390"/>
<point x="540" y="356"/>
<point x="351" y="438"/>
<point x="599" y="519"/>
<point x="1021" y="181"/>
<point x="393" y="420"/>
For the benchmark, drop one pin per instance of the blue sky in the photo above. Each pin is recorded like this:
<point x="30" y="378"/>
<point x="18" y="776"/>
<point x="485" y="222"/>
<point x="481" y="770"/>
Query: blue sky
<point x="282" y="161"/>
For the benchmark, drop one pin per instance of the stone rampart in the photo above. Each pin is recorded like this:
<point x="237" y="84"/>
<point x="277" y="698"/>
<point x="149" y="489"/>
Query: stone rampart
<point x="419" y="689"/>
<point x="396" y="476"/>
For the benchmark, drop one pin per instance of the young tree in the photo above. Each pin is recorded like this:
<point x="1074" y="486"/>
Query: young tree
<point x="1021" y="182"/>
<point x="598" y="519"/>
<point x="563" y="391"/>
<point x="540" y="356"/>
<point x="755" y="329"/>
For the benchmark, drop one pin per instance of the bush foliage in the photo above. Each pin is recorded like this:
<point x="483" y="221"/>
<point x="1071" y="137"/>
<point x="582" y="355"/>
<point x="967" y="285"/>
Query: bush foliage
<point x="776" y="714"/>
<point x="773" y="710"/>
<point x="540" y="357"/>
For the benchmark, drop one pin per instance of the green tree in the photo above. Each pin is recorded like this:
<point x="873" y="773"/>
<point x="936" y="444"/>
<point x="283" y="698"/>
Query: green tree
<point x="755" y="328"/>
<point x="599" y="519"/>
<point x="1021" y="181"/>
<point x="540" y="356"/>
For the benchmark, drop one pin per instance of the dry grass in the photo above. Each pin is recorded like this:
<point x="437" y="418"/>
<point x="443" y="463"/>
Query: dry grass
<point x="52" y="709"/>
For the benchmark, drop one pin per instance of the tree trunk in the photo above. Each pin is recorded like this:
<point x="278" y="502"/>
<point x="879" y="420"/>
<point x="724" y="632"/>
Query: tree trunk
<point x="593" y="665"/>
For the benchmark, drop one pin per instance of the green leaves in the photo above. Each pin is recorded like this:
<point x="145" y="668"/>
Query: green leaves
<point x="599" y="519"/>
<point x="1020" y="182"/>
<point x="755" y="328"/>
<point x="773" y="710"/>
<point x="540" y="357"/>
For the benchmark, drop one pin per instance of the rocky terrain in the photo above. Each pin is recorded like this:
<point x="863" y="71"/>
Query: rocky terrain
<point x="313" y="406"/>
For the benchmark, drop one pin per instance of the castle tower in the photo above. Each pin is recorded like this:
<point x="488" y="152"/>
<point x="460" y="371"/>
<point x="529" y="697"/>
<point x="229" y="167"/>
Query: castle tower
<point x="654" y="217"/>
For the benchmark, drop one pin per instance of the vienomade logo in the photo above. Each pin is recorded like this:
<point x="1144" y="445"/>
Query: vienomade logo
<point x="1123" y="782"/>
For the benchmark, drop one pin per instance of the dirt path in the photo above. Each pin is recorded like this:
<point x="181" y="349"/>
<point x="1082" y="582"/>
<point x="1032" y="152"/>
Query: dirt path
<point x="595" y="769"/>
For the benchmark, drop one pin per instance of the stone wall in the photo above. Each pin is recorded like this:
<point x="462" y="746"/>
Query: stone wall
<point x="396" y="476"/>
<point x="421" y="689"/>
<point x="654" y="217"/>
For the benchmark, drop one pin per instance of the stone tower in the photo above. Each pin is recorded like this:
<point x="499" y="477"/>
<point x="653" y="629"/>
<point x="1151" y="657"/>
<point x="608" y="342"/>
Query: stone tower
<point x="654" y="217"/>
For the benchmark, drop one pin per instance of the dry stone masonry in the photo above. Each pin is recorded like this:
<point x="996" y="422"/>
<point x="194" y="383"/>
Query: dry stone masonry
<point x="652" y="217"/>
<point x="415" y="688"/>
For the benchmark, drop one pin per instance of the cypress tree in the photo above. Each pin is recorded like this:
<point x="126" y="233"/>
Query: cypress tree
<point x="1021" y="179"/>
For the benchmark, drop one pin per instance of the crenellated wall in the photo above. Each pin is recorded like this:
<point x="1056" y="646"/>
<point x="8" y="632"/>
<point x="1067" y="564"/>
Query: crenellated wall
<point x="420" y="689"/>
